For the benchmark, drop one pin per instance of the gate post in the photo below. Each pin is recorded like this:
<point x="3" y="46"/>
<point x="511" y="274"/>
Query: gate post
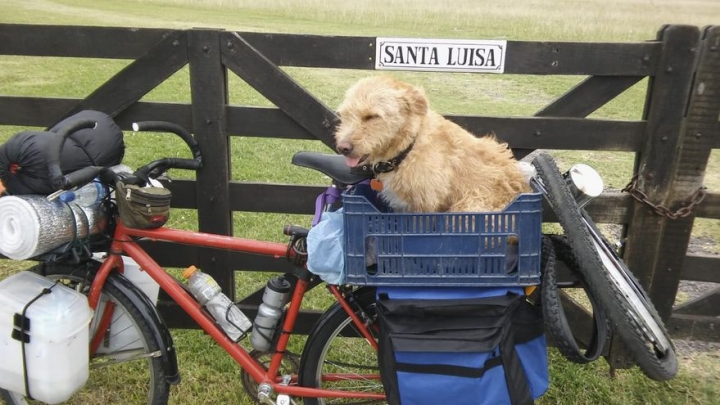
<point x="209" y="94"/>
<point x="656" y="245"/>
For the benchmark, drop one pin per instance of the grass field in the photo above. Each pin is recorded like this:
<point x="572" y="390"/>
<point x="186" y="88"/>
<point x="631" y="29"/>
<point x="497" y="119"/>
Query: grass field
<point x="209" y="377"/>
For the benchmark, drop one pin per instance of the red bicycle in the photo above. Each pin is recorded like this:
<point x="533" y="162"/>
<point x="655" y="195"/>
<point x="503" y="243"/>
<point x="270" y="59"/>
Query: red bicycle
<point x="338" y="363"/>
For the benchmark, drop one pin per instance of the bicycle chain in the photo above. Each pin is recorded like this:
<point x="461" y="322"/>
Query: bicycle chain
<point x="682" y="212"/>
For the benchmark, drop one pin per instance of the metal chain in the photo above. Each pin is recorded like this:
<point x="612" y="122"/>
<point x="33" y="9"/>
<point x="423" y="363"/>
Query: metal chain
<point x="682" y="212"/>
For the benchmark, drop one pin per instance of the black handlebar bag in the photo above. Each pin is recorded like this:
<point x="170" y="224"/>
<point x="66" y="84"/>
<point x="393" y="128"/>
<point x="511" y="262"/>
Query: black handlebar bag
<point x="460" y="346"/>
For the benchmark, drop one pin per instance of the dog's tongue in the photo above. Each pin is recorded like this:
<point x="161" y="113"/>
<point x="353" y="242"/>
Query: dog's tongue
<point x="352" y="162"/>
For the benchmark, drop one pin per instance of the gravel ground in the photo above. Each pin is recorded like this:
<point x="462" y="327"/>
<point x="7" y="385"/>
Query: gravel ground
<point x="692" y="290"/>
<point x="688" y="290"/>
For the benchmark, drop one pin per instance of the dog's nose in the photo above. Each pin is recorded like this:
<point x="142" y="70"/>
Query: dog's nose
<point x="345" y="148"/>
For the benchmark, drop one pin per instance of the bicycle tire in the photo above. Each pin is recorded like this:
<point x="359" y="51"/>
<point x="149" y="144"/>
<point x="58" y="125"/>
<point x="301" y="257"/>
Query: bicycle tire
<point x="624" y="314"/>
<point x="121" y="382"/>
<point x="556" y="324"/>
<point x="325" y="342"/>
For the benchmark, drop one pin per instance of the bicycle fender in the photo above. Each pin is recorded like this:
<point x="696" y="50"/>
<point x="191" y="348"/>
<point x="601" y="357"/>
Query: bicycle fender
<point x="157" y="326"/>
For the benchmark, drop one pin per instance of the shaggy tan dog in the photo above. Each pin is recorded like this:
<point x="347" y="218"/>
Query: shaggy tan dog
<point x="434" y="165"/>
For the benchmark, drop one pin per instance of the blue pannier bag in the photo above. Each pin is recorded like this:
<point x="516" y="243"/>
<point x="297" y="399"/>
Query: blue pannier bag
<point x="460" y="346"/>
<point x="326" y="253"/>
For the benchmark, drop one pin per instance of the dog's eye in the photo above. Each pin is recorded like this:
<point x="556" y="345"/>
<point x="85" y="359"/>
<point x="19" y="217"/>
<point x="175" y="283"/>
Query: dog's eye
<point x="369" y="117"/>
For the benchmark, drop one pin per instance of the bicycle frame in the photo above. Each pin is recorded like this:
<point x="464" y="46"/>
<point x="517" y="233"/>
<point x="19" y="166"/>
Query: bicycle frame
<point x="123" y="243"/>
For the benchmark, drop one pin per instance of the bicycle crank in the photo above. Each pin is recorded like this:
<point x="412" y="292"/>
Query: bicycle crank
<point x="288" y="367"/>
<point x="265" y="396"/>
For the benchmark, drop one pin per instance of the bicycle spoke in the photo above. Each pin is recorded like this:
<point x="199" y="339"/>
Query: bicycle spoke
<point x="101" y="361"/>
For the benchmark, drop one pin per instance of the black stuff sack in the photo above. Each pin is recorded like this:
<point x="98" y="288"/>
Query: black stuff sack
<point x="23" y="158"/>
<point x="460" y="346"/>
<point x="142" y="207"/>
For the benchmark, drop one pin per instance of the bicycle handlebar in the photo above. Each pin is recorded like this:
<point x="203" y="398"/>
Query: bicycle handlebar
<point x="174" y="128"/>
<point x="294" y="230"/>
<point x="152" y="170"/>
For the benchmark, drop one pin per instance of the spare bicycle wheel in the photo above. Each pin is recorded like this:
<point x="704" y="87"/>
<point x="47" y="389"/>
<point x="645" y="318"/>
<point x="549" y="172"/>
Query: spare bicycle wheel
<point x="609" y="281"/>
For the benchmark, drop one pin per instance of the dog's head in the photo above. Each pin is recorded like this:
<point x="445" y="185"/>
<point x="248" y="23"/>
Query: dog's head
<point x="379" y="117"/>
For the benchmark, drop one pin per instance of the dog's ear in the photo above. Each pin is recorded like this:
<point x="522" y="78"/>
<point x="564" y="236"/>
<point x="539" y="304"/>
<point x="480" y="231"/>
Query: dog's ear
<point x="415" y="100"/>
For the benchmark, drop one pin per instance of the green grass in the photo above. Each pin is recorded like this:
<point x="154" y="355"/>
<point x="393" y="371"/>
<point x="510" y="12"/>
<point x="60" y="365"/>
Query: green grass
<point x="209" y="376"/>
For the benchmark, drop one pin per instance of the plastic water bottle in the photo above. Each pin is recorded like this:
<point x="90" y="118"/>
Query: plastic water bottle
<point x="223" y="310"/>
<point x="275" y="296"/>
<point x="87" y="195"/>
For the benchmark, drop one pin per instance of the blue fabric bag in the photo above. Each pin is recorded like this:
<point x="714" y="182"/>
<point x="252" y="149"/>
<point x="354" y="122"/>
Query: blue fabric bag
<point x="460" y="346"/>
<point x="325" y="247"/>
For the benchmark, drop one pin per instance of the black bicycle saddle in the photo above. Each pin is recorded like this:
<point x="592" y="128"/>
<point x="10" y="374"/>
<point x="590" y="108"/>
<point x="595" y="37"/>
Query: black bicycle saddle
<point x="331" y="165"/>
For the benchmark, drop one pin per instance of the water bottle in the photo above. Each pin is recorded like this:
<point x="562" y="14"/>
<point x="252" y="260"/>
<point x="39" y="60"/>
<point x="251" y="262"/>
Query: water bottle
<point x="207" y="291"/>
<point x="275" y="296"/>
<point x="87" y="195"/>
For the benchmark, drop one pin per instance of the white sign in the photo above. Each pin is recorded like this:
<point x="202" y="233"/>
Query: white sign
<point x="440" y="55"/>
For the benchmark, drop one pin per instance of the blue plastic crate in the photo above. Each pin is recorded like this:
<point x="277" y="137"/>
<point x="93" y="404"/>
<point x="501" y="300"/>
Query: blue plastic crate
<point x="441" y="249"/>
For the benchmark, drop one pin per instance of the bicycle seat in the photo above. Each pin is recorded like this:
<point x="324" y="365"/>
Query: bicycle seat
<point x="331" y="165"/>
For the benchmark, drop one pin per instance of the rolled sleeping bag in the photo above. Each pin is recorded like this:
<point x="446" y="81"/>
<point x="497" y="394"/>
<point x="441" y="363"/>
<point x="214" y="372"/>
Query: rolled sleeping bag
<point x="23" y="158"/>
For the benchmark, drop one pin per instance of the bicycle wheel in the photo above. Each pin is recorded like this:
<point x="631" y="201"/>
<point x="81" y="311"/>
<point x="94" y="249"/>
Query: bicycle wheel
<point x="126" y="373"/>
<point x="334" y="348"/>
<point x="609" y="281"/>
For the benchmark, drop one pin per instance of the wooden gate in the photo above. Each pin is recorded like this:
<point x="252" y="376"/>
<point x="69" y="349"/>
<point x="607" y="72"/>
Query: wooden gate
<point x="672" y="142"/>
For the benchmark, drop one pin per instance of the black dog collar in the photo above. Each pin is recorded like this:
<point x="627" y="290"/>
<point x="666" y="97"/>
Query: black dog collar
<point x="384" y="166"/>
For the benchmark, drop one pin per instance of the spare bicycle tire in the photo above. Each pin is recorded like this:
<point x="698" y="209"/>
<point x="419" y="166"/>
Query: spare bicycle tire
<point x="600" y="285"/>
<point x="556" y="324"/>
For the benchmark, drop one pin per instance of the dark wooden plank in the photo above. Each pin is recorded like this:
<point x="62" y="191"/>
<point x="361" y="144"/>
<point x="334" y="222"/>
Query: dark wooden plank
<point x="523" y="57"/>
<point x="580" y="58"/>
<point x="176" y="255"/>
<point x="341" y="52"/>
<point x="583" y="99"/>
<point x="138" y="78"/>
<point x="180" y="114"/>
<point x="209" y="95"/>
<point x="609" y="208"/>
<point x="265" y="77"/>
<point x="78" y="41"/>
<point x="292" y="199"/>
<point x="43" y="112"/>
<point x="656" y="245"/>
<point x="707" y="304"/>
<point x="184" y="193"/>
<point x="254" y="197"/>
<point x="525" y="132"/>
<point x="694" y="327"/>
<point x="701" y="267"/>
<point x="264" y="122"/>
<point x="558" y="133"/>
<point x="589" y="95"/>
<point x="33" y="111"/>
